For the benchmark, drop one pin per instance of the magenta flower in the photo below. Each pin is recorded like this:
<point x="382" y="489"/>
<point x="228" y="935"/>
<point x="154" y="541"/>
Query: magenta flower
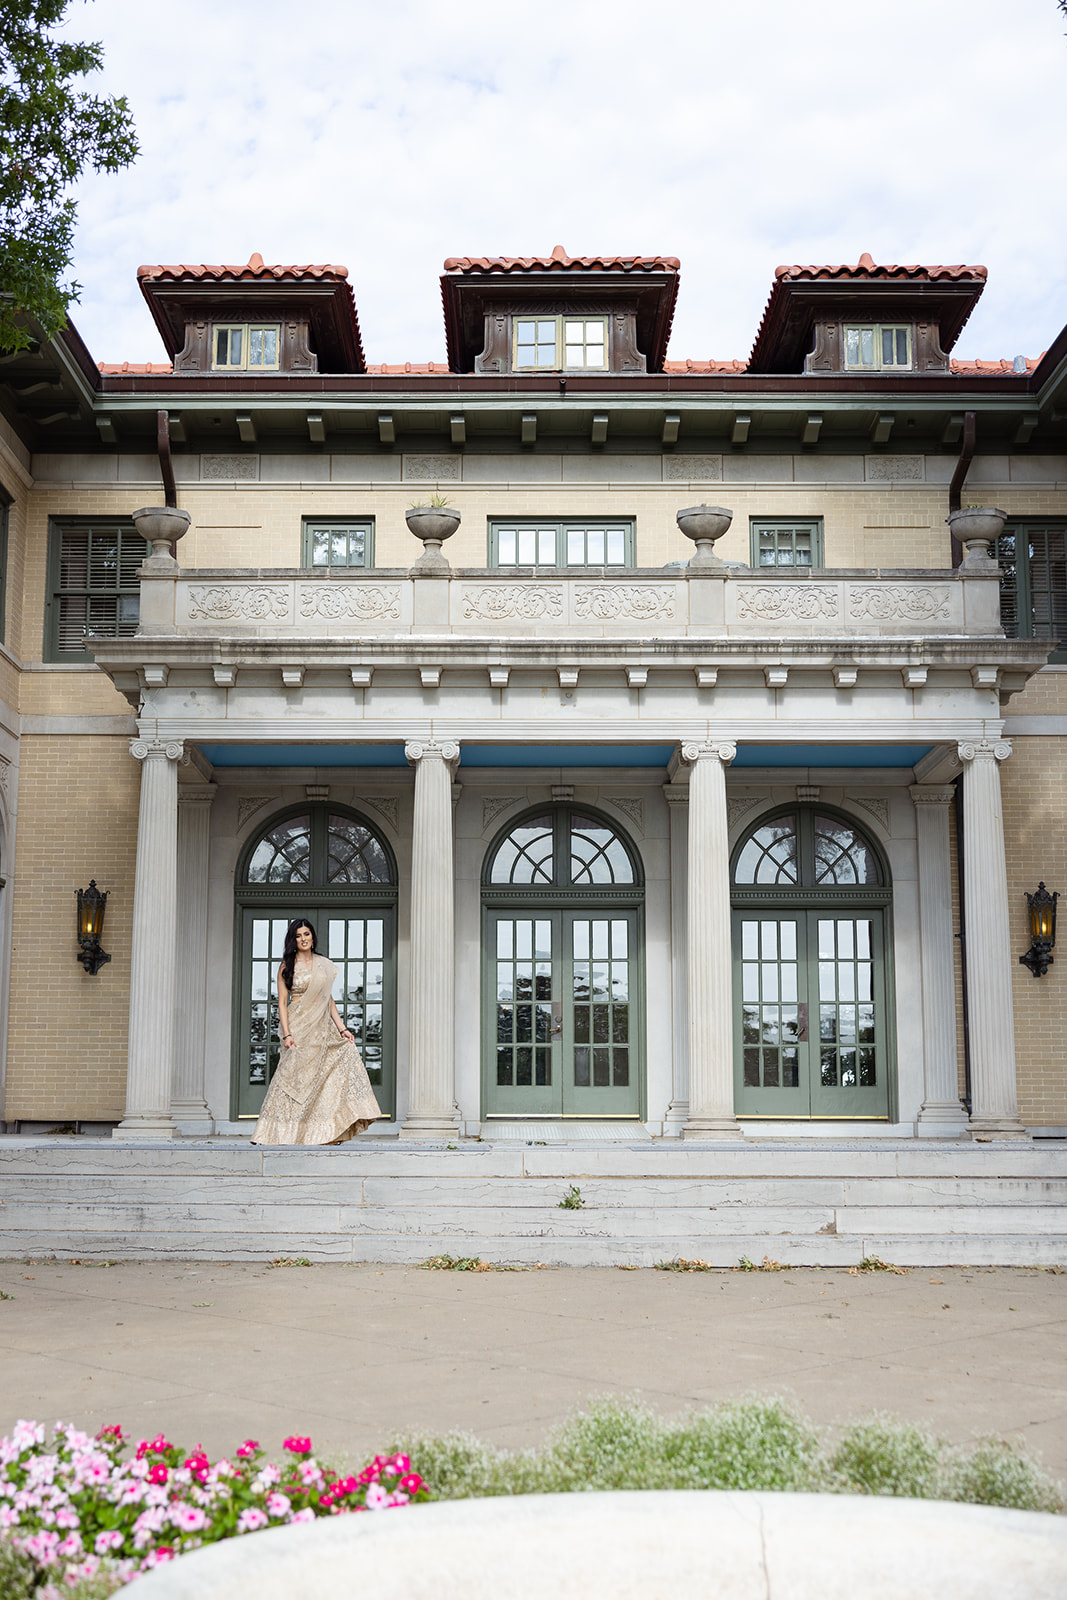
<point x="189" y="1518"/>
<point x="249" y="1447"/>
<point x="252" y="1519"/>
<point x="279" y="1505"/>
<point x="158" y="1474"/>
<point x="298" y="1445"/>
<point x="110" y="1539"/>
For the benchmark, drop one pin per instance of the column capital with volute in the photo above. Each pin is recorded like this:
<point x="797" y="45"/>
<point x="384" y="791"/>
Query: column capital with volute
<point x="416" y="750"/>
<point x="724" y="749"/>
<point x="970" y="750"/>
<point x="159" y="749"/>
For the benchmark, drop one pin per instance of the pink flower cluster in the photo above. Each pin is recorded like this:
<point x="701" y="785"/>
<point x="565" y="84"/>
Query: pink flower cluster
<point x="80" y="1509"/>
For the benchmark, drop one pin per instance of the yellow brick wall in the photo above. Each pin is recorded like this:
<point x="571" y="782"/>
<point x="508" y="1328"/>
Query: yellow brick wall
<point x="1034" y="783"/>
<point x="77" y="820"/>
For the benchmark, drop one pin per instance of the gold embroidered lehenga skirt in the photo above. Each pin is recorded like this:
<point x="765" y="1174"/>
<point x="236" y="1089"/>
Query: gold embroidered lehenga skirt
<point x="320" y="1093"/>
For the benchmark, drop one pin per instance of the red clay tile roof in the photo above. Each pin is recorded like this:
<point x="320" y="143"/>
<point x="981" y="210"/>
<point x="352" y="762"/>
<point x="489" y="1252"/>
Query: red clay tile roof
<point x="254" y="267"/>
<point x="705" y="366"/>
<point x="866" y="268"/>
<point x="988" y="369"/>
<point x="786" y="320"/>
<point x="111" y="368"/>
<point x="560" y="261"/>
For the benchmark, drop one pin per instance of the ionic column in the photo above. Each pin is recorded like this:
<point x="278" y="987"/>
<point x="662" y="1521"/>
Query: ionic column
<point x="710" y="1002"/>
<point x="990" y="1018"/>
<point x="432" y="1046"/>
<point x="188" y="1105"/>
<point x="677" y="798"/>
<point x="942" y="1113"/>
<point x="149" y="1065"/>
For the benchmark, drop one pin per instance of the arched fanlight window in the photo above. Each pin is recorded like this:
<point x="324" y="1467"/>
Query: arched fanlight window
<point x="807" y="849"/>
<point x="562" y="847"/>
<point x="317" y="847"/>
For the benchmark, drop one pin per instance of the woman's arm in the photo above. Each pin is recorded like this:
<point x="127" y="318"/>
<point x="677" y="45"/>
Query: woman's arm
<point x="346" y="1033"/>
<point x="288" y="1042"/>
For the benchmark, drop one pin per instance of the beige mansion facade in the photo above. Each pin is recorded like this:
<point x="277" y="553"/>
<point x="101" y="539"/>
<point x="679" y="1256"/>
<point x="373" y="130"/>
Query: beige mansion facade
<point x="601" y="826"/>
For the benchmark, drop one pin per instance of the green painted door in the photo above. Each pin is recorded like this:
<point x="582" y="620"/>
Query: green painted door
<point x="360" y="943"/>
<point x="810" y="1009"/>
<point x="561" y="1013"/>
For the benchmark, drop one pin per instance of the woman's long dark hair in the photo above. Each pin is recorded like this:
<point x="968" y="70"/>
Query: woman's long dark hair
<point x="289" y="953"/>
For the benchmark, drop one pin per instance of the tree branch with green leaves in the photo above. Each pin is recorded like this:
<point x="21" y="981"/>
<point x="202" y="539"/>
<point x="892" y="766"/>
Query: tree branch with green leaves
<point x="51" y="131"/>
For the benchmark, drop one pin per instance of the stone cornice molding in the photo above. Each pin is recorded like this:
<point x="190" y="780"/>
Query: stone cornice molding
<point x="160" y="749"/>
<point x="932" y="794"/>
<point x="723" y="749"/>
<point x="197" y="794"/>
<point x="992" y="749"/>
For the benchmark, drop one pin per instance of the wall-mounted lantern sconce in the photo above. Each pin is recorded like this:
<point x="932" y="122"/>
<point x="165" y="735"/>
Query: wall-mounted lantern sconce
<point x="1042" y="909"/>
<point x="91" y="904"/>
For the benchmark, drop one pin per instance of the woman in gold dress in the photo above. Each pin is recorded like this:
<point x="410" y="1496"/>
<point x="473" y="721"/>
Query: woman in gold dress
<point x="320" y="1093"/>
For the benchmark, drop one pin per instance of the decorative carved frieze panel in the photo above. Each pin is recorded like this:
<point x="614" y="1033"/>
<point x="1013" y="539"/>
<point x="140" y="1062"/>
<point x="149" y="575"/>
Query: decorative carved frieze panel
<point x="238" y="602"/>
<point x="691" y="469"/>
<point x="525" y="602"/>
<point x="387" y="805"/>
<point x="638" y="601"/>
<point x="899" y="603"/>
<point x="229" y="466"/>
<point x="799" y="602"/>
<point x="430" y="469"/>
<point x="249" y="804"/>
<point x="878" y="808"/>
<point x="365" y="602"/>
<point x="739" y="805"/>
<point x="631" y="806"/>
<point x="494" y="804"/>
<point x="883" y="469"/>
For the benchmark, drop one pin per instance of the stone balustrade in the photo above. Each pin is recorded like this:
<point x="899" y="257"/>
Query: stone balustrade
<point x="732" y="603"/>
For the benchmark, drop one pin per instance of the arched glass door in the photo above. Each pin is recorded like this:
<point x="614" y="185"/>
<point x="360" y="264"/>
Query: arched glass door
<point x="331" y="866"/>
<point x="811" y="905"/>
<point x="563" y="972"/>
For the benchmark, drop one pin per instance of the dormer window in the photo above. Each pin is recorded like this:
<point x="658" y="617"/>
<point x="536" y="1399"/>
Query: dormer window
<point x="552" y="344"/>
<point x="246" y="346"/>
<point x="877" y="347"/>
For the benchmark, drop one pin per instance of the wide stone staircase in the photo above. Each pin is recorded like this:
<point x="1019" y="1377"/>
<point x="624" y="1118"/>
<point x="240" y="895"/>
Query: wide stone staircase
<point x="810" y="1202"/>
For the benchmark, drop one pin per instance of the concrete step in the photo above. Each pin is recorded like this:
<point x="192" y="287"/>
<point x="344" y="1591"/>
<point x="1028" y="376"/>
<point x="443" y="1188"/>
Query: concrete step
<point x="823" y="1204"/>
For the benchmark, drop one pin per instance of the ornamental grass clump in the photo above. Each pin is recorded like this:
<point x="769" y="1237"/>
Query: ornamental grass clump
<point x="81" y="1513"/>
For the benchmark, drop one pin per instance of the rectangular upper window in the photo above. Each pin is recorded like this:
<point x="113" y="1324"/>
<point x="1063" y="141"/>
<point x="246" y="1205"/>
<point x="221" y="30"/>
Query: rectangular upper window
<point x="777" y="542"/>
<point x="245" y="346"/>
<point x="532" y="542"/>
<point x="338" y="542"/>
<point x="1033" y="588"/>
<point x="877" y="346"/>
<point x="554" y="344"/>
<point x="94" y="590"/>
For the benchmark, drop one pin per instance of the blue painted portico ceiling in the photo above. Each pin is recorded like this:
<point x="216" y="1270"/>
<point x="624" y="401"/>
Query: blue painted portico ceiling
<point x="562" y="755"/>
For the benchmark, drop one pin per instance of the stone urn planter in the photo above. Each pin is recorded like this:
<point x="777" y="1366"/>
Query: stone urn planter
<point x="704" y="524"/>
<point x="977" y="528"/>
<point x="432" y="524"/>
<point x="160" y="527"/>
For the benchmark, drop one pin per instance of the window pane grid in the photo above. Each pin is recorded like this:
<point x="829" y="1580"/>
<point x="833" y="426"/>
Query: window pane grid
<point x="561" y="544"/>
<point x="770" y="1012"/>
<point x="600" y="997"/>
<point x="847" y="1049"/>
<point x="331" y="544"/>
<point x="546" y="344"/>
<point x="356" y="946"/>
<point x="247" y="347"/>
<point x="786" y="544"/>
<point x="878" y="346"/>
<point x="524" y="1003"/>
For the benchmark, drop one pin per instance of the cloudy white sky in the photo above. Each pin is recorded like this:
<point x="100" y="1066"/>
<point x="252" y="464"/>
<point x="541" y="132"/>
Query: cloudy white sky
<point x="388" y="134"/>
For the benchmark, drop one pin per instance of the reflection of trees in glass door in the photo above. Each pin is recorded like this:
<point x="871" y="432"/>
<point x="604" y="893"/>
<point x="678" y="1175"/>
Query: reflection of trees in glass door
<point x="811" y="898"/>
<point x="331" y="867"/>
<point x="562" y="989"/>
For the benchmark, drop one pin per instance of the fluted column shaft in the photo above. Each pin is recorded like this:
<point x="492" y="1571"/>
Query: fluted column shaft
<point x="432" y="1046"/>
<point x="149" y="1066"/>
<point x="942" y="1112"/>
<point x="188" y="1104"/>
<point x="711" y="1074"/>
<point x="990" y="1016"/>
<point x="677" y="798"/>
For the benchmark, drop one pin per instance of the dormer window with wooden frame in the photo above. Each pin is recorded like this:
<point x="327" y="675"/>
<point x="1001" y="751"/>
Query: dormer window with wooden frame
<point x="878" y="347"/>
<point x="563" y="343"/>
<point x="245" y="346"/>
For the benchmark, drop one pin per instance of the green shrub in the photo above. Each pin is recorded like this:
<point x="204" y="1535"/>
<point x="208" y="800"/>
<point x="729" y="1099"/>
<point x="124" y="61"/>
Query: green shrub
<point x="887" y="1457"/>
<point x="994" y="1474"/>
<point x="17" y="1573"/>
<point x="746" y="1444"/>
